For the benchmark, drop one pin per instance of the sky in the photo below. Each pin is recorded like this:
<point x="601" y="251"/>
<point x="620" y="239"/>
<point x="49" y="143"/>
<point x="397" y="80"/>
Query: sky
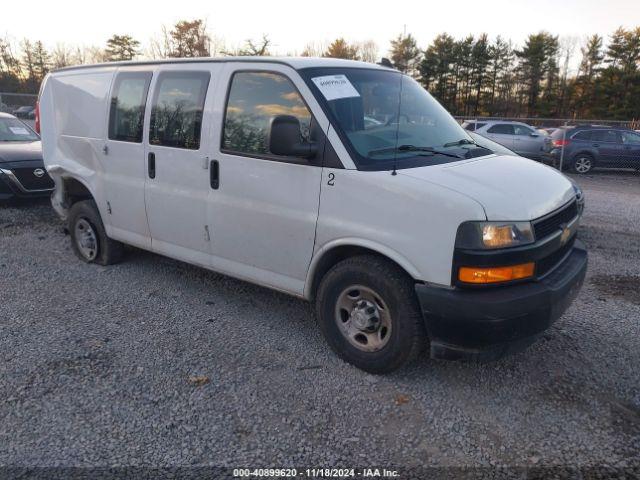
<point x="292" y="24"/>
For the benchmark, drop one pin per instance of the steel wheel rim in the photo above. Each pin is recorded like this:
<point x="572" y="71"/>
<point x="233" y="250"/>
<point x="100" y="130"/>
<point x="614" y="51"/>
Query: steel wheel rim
<point x="363" y="318"/>
<point x="86" y="239"/>
<point x="583" y="165"/>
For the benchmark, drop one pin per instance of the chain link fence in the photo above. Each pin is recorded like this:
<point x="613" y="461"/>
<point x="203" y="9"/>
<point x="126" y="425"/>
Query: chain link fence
<point x="22" y="105"/>
<point x="572" y="145"/>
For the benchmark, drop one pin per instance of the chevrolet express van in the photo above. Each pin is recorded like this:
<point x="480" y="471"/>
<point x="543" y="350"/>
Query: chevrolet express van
<point x="340" y="182"/>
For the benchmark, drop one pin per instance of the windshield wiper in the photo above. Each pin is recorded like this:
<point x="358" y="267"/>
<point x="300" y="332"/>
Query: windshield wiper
<point x="463" y="141"/>
<point x="412" y="148"/>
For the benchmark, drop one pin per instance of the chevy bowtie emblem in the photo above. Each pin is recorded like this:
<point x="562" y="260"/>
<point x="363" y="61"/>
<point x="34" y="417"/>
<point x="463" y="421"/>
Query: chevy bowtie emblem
<point x="566" y="233"/>
<point x="38" y="172"/>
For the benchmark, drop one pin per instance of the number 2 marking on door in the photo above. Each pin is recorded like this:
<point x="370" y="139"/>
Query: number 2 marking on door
<point x="332" y="178"/>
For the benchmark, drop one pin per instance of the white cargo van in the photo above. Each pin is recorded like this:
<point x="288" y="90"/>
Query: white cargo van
<point x="340" y="182"/>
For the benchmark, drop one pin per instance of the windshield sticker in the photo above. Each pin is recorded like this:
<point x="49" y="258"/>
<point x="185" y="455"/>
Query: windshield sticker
<point x="334" y="87"/>
<point x="19" y="130"/>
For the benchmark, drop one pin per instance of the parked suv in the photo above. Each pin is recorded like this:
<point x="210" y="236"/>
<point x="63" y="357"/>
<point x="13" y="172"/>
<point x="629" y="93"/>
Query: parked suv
<point x="523" y="139"/>
<point x="340" y="182"/>
<point x="586" y="147"/>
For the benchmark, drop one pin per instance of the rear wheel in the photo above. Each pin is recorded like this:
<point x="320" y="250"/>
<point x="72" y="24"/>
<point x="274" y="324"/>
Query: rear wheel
<point x="582" y="163"/>
<point x="368" y="312"/>
<point x="88" y="237"/>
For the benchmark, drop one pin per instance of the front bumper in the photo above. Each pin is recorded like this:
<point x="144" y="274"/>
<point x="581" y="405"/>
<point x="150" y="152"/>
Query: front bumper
<point x="486" y="324"/>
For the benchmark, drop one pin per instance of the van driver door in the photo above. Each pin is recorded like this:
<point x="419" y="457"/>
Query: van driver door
<point x="263" y="207"/>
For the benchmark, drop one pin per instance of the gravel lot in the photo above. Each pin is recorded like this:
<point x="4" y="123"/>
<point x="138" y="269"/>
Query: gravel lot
<point x="154" y="362"/>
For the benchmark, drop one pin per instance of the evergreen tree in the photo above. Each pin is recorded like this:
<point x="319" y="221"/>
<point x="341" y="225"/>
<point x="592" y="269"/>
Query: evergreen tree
<point x="405" y="54"/>
<point x="537" y="66"/>
<point x="121" y="48"/>
<point x="339" y="48"/>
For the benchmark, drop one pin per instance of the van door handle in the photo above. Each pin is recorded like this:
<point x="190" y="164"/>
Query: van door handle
<point x="151" y="165"/>
<point x="214" y="174"/>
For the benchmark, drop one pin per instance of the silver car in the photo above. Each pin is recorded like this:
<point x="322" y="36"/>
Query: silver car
<point x="523" y="139"/>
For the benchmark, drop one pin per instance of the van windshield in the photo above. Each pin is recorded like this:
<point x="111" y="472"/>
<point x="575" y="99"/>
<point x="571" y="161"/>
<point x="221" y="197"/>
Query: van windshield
<point x="387" y="119"/>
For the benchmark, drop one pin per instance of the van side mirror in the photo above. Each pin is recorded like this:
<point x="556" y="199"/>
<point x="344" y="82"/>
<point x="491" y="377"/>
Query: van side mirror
<point x="285" y="138"/>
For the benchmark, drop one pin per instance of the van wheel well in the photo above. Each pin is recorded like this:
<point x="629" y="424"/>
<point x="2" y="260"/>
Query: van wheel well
<point x="75" y="192"/>
<point x="338" y="254"/>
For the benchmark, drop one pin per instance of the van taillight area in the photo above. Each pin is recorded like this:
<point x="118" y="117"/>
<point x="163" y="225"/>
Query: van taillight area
<point x="37" y="118"/>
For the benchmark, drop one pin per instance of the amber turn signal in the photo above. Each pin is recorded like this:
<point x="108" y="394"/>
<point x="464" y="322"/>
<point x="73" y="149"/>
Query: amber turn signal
<point x="495" y="274"/>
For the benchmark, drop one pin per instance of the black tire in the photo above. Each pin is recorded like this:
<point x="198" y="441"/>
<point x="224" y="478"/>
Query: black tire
<point x="582" y="163"/>
<point x="85" y="214"/>
<point x="396" y="291"/>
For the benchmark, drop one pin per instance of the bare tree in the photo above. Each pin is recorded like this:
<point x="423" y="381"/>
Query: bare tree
<point x="313" y="49"/>
<point x="188" y="39"/>
<point x="160" y="47"/>
<point x="253" y="48"/>
<point x="62" y="56"/>
<point x="93" y="54"/>
<point x="11" y="76"/>
<point x="368" y="51"/>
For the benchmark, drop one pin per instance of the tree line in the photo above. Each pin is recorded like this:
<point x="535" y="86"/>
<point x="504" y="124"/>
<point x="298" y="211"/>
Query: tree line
<point x="470" y="76"/>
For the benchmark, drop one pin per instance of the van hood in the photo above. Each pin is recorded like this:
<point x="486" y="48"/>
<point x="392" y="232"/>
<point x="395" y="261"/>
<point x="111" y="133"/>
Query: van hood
<point x="508" y="187"/>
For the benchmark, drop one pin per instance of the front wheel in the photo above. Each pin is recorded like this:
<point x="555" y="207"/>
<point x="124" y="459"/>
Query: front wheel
<point x="368" y="312"/>
<point x="583" y="164"/>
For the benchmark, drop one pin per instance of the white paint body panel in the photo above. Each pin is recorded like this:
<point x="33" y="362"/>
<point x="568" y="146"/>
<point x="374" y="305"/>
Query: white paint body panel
<point x="508" y="187"/>
<point x="271" y="222"/>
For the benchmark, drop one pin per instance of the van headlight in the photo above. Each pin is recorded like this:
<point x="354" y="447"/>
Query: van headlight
<point x="490" y="235"/>
<point x="579" y="196"/>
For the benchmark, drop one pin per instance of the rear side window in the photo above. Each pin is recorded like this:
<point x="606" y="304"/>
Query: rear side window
<point x="502" y="128"/>
<point x="630" y="138"/>
<point x="473" y="126"/>
<point x="585" y="135"/>
<point x="255" y="98"/>
<point x="522" y="130"/>
<point x="128" y="101"/>
<point x="176" y="112"/>
<point x="609" y="136"/>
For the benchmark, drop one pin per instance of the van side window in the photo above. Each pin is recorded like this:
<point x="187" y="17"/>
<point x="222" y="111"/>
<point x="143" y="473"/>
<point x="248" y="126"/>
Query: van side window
<point x="128" y="101"/>
<point x="255" y="98"/>
<point x="176" y="112"/>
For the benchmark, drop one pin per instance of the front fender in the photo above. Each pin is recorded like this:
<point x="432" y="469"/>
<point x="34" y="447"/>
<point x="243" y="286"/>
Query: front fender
<point x="379" y="248"/>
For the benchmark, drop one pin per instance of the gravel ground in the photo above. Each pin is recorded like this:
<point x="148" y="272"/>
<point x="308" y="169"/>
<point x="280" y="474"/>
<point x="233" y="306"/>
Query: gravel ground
<point x="154" y="362"/>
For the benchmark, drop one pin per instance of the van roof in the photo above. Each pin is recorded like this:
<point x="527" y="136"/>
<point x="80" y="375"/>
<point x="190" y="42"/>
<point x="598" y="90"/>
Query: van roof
<point x="297" y="63"/>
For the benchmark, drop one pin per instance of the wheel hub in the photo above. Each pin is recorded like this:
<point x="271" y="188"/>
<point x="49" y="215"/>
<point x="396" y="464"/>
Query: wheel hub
<point x="86" y="239"/>
<point x="365" y="316"/>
